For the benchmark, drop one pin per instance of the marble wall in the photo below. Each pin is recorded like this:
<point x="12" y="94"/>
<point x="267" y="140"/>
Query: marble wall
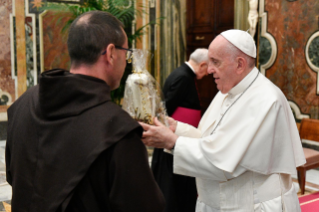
<point x="291" y="24"/>
<point x="42" y="39"/>
<point x="55" y="50"/>
<point x="7" y="88"/>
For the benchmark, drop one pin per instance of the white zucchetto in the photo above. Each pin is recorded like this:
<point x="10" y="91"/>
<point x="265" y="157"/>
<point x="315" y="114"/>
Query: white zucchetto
<point x="242" y="40"/>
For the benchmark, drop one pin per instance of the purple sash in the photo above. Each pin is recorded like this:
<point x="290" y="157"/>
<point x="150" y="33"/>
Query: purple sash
<point x="186" y="115"/>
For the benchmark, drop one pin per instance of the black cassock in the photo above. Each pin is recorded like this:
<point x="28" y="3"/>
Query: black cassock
<point x="69" y="148"/>
<point x="179" y="191"/>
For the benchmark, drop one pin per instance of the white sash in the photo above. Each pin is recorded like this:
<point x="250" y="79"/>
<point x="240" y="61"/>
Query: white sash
<point x="243" y="193"/>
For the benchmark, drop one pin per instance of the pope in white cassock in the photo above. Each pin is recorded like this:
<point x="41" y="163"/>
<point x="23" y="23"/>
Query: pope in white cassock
<point x="246" y="146"/>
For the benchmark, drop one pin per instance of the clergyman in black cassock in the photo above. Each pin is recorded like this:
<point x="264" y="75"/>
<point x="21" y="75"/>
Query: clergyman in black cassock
<point x="183" y="104"/>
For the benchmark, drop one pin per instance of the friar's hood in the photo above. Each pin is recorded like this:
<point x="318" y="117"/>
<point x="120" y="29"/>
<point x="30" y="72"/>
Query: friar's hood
<point x="68" y="121"/>
<point x="62" y="94"/>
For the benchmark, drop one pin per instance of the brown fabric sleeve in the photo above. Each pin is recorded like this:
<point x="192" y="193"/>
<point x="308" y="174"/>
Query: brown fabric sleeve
<point x="133" y="187"/>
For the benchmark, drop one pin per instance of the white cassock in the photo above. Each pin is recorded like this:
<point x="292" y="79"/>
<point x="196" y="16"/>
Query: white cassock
<point x="245" y="165"/>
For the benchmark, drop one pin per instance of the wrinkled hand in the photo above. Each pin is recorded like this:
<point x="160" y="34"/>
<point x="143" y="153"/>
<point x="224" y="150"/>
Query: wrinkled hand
<point x="158" y="136"/>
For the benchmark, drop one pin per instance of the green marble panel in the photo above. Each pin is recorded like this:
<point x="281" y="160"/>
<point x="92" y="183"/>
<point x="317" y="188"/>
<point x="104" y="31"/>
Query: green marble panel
<point x="4" y="100"/>
<point x="313" y="51"/>
<point x="264" y="50"/>
<point x="29" y="51"/>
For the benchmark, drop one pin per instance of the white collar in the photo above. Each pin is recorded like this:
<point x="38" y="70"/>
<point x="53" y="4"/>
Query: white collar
<point x="187" y="63"/>
<point x="244" y="83"/>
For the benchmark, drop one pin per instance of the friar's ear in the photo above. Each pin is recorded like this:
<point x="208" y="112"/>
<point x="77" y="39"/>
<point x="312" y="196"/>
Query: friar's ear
<point x="110" y="53"/>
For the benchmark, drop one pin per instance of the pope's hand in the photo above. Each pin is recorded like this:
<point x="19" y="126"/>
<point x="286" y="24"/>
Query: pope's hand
<point x="158" y="136"/>
<point x="172" y="123"/>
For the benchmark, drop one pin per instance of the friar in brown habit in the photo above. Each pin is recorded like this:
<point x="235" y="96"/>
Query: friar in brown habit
<point x="69" y="148"/>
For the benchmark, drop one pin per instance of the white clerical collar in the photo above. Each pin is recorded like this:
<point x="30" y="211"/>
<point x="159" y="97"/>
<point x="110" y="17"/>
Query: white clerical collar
<point x="187" y="63"/>
<point x="242" y="85"/>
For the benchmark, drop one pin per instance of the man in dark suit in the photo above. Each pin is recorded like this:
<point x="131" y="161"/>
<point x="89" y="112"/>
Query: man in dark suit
<point x="183" y="104"/>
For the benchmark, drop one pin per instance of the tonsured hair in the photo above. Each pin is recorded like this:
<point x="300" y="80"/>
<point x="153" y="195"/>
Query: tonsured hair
<point x="90" y="34"/>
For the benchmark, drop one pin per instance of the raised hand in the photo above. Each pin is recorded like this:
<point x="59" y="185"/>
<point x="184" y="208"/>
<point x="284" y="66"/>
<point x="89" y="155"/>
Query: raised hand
<point x="158" y="135"/>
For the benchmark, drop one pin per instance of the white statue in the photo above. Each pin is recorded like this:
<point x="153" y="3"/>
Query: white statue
<point x="253" y="16"/>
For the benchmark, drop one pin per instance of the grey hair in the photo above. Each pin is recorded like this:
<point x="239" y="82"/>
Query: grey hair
<point x="199" y="55"/>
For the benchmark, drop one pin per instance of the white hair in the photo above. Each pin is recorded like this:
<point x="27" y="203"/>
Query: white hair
<point x="235" y="52"/>
<point x="199" y="55"/>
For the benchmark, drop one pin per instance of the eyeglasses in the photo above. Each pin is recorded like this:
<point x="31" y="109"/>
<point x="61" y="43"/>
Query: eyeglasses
<point x="129" y="53"/>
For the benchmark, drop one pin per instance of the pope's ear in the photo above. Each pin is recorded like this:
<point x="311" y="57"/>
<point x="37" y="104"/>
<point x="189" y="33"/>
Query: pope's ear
<point x="241" y="65"/>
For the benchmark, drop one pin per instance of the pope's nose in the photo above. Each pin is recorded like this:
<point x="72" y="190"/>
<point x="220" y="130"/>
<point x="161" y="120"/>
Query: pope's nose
<point x="210" y="70"/>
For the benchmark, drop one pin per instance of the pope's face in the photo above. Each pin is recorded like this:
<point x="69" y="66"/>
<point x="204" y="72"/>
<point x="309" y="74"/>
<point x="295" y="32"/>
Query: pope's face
<point x="221" y="65"/>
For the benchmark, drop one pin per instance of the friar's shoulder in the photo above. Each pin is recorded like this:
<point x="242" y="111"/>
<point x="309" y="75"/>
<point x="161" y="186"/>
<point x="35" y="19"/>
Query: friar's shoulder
<point x="116" y="118"/>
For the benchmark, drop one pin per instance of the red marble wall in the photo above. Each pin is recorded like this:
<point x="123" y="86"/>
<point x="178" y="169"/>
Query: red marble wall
<point x="6" y="82"/>
<point x="55" y="41"/>
<point x="291" y="24"/>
